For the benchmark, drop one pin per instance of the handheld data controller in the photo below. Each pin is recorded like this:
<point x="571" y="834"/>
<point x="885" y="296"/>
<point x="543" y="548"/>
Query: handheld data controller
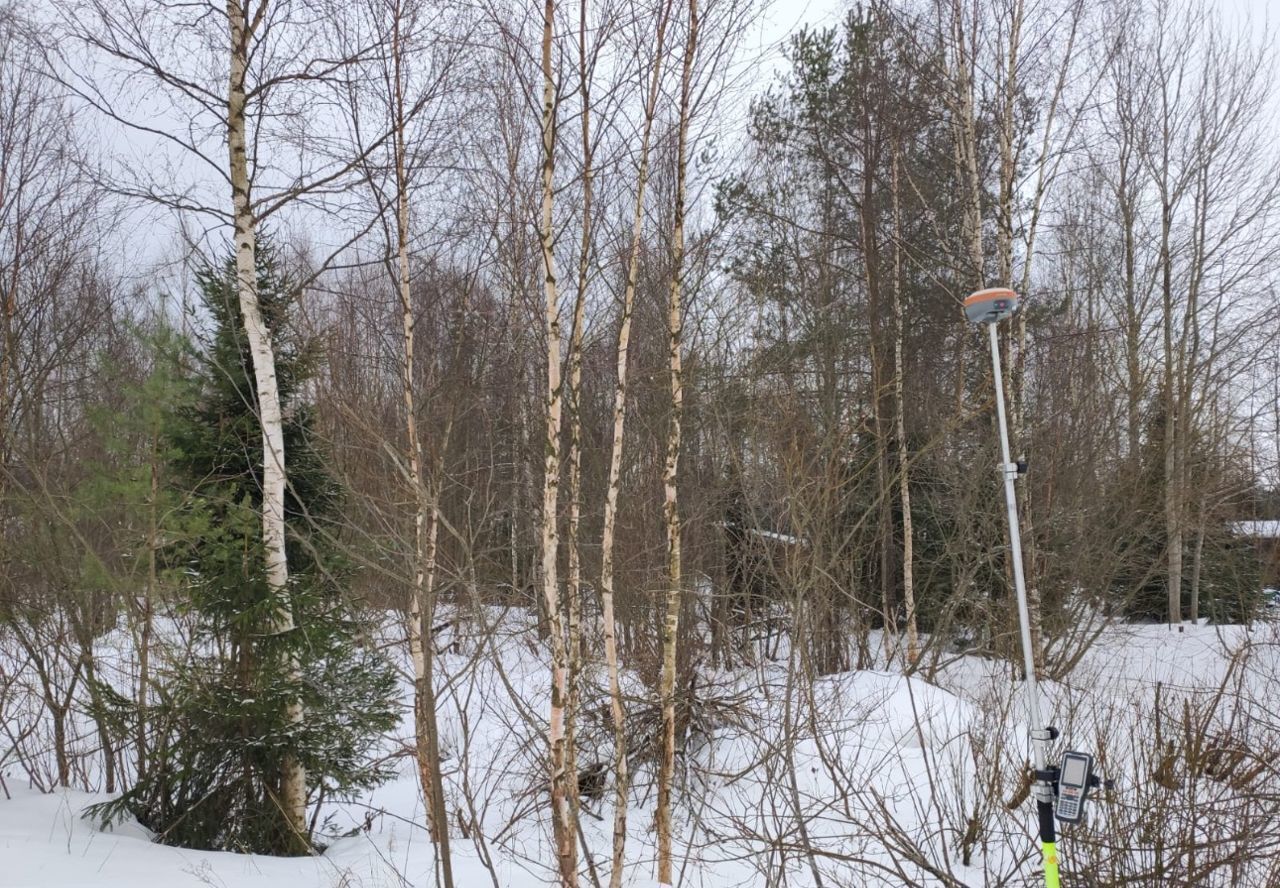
<point x="1074" y="780"/>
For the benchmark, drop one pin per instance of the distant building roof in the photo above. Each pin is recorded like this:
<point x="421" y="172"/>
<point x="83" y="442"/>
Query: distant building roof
<point x="1262" y="530"/>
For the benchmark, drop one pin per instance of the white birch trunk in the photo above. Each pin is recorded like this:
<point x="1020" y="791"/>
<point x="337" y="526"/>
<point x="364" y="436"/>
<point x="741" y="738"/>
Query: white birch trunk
<point x="561" y="811"/>
<point x="904" y="460"/>
<point x="966" y="143"/>
<point x="620" y="767"/>
<point x="573" y="582"/>
<point x="620" y="775"/>
<point x="1172" y="429"/>
<point x="670" y="473"/>
<point x="426" y="512"/>
<point x="293" y="780"/>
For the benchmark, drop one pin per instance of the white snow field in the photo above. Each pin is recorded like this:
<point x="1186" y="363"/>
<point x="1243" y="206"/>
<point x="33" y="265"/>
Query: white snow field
<point x="859" y="779"/>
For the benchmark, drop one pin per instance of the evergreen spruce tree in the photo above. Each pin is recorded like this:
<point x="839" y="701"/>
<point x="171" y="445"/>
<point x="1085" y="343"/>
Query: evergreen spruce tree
<point x="220" y="735"/>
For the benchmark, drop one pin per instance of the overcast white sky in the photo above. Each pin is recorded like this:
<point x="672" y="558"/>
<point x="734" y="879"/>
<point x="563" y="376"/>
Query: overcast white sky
<point x="784" y="16"/>
<point x="146" y="235"/>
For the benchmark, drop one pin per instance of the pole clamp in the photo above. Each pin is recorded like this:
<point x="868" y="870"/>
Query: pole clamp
<point x="1014" y="470"/>
<point x="1044" y="735"/>
<point x="1049" y="776"/>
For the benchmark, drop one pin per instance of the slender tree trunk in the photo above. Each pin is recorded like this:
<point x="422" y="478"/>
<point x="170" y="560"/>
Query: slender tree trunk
<point x="293" y="779"/>
<point x="522" y="489"/>
<point x="84" y="633"/>
<point x="426" y="512"/>
<point x="563" y="828"/>
<point x="1172" y="429"/>
<point x="670" y="473"/>
<point x="1189" y="367"/>
<point x="900" y="431"/>
<point x="1197" y="554"/>
<point x="60" y="744"/>
<point x="1125" y="191"/>
<point x="965" y="132"/>
<point x="965" y="159"/>
<point x="868" y="225"/>
<point x="1006" y="138"/>
<point x="439" y="815"/>
<point x="57" y="708"/>
<point x="10" y="343"/>
<point x="620" y="767"/>
<point x="573" y="583"/>
<point x="1132" y="331"/>
<point x="148" y="610"/>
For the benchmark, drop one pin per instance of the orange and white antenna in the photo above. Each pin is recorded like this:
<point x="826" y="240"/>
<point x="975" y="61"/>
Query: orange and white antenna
<point x="990" y="305"/>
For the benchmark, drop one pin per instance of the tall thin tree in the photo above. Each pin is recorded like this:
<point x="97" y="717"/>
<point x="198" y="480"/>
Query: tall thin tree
<point x="426" y="517"/>
<point x="564" y="830"/>
<point x="620" y="767"/>
<point x="671" y="467"/>
<point x="242" y="25"/>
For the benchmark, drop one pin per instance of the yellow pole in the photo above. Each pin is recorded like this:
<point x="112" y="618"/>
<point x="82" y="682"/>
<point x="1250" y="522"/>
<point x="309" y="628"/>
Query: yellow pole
<point x="1051" y="865"/>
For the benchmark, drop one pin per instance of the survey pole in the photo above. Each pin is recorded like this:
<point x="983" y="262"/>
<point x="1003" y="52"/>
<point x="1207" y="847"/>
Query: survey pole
<point x="990" y="307"/>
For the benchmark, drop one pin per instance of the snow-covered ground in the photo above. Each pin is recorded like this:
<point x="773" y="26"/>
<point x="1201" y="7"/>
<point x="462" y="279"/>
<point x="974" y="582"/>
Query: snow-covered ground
<point x="863" y="778"/>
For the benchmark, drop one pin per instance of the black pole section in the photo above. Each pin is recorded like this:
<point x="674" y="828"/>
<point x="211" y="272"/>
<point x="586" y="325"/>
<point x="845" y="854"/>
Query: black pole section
<point x="1048" y="838"/>
<point x="1047" y="833"/>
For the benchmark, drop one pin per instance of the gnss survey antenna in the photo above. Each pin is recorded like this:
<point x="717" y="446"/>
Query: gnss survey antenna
<point x="1070" y="784"/>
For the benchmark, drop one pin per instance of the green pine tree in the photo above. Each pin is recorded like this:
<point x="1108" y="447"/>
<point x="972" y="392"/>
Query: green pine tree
<point x="220" y="735"/>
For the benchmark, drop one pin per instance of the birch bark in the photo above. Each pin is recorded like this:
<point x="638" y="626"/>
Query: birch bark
<point x="904" y="460"/>
<point x="620" y="766"/>
<point x="563" y="828"/>
<point x="426" y="514"/>
<point x="293" y="779"/>
<point x="670" y="473"/>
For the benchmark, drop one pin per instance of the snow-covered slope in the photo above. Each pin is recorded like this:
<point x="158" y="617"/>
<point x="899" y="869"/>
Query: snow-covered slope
<point x="864" y="778"/>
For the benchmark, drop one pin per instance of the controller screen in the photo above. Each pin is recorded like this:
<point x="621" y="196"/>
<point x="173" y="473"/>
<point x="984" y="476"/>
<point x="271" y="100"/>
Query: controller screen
<point x="1073" y="771"/>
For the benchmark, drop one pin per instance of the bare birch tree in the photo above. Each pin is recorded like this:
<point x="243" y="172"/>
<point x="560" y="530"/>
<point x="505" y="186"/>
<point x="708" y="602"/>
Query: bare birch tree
<point x="563" y="828"/>
<point x="900" y="427"/>
<point x="671" y="467"/>
<point x="607" y="540"/>
<point x="426" y="518"/>
<point x="573" y="523"/>
<point x="243" y="22"/>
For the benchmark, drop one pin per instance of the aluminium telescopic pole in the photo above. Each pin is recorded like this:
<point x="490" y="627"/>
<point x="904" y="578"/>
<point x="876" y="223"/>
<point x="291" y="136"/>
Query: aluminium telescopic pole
<point x="1040" y="734"/>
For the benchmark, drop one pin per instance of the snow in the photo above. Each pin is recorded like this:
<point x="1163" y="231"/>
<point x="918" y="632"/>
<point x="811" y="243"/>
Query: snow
<point x="778" y="537"/>
<point x="44" y="842"/>
<point x="866" y="767"/>
<point x="1262" y="530"/>
<point x="784" y="538"/>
